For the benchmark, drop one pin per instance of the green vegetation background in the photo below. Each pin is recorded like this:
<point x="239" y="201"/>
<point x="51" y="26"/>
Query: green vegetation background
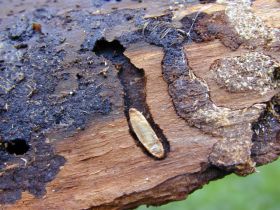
<point x="259" y="191"/>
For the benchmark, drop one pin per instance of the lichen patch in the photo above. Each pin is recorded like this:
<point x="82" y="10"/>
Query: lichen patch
<point x="253" y="71"/>
<point x="248" y="25"/>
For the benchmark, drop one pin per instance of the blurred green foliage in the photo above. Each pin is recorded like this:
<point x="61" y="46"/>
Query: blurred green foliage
<point x="259" y="191"/>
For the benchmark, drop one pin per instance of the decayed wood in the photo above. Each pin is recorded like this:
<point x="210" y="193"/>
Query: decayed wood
<point x="212" y="51"/>
<point x="104" y="164"/>
<point x="105" y="168"/>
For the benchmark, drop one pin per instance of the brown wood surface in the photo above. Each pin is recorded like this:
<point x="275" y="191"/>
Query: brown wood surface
<point x="210" y="52"/>
<point x="105" y="168"/>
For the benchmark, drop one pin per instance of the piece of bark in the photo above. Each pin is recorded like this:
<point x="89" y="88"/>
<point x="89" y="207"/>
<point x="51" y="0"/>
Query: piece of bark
<point x="105" y="166"/>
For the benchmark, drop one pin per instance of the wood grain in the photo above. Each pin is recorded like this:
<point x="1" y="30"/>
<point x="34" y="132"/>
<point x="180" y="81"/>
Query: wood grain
<point x="209" y="52"/>
<point x="105" y="168"/>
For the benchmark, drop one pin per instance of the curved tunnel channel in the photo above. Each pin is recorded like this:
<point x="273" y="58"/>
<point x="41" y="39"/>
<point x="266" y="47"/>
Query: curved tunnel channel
<point x="133" y="82"/>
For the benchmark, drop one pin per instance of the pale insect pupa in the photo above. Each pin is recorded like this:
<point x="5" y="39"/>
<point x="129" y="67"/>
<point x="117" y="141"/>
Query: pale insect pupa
<point x="145" y="134"/>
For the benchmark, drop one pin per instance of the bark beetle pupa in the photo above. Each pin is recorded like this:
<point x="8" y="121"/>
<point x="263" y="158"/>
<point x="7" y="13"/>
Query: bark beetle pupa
<point x="145" y="134"/>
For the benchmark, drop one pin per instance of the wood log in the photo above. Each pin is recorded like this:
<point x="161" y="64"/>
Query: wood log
<point x="84" y="64"/>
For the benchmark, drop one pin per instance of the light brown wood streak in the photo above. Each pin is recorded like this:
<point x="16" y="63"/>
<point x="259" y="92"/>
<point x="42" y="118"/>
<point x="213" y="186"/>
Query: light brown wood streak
<point x="208" y="52"/>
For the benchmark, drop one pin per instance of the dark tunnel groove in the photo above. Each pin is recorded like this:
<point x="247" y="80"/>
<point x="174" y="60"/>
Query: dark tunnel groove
<point x="16" y="146"/>
<point x="133" y="82"/>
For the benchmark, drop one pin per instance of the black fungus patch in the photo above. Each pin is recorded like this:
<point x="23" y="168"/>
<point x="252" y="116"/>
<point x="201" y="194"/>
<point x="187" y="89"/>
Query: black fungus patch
<point x="174" y="64"/>
<point x="162" y="33"/>
<point x="96" y="25"/>
<point x="100" y="3"/>
<point x="133" y="82"/>
<point x="216" y="26"/>
<point x="207" y="1"/>
<point x="266" y="137"/>
<point x="45" y="88"/>
<point x="276" y="73"/>
<point x="189" y="23"/>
